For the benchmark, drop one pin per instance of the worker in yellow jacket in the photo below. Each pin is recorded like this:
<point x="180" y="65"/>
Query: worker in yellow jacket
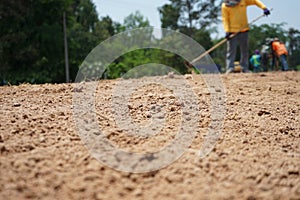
<point x="235" y="21"/>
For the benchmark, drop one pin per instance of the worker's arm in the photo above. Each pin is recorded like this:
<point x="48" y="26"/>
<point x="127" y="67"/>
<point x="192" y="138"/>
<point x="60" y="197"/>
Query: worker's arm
<point x="257" y="3"/>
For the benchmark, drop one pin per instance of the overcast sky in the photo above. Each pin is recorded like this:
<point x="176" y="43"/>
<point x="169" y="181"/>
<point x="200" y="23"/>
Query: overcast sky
<point x="284" y="11"/>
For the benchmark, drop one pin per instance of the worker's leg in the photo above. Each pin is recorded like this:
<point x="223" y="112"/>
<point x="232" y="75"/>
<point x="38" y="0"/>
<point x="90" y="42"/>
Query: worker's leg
<point x="243" y="42"/>
<point x="231" y="53"/>
<point x="264" y="61"/>
<point x="284" y="64"/>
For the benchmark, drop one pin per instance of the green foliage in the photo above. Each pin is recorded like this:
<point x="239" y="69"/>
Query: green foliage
<point x="142" y="57"/>
<point x="169" y="16"/>
<point x="31" y="39"/>
<point x="189" y="16"/>
<point x="151" y="59"/>
<point x="294" y="48"/>
<point x="32" y="46"/>
<point x="135" y="20"/>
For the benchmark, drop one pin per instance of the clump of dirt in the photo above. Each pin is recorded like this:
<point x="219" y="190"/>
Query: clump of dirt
<point x="257" y="156"/>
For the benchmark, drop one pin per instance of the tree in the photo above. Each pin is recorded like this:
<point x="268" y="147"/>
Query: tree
<point x="190" y="15"/>
<point x="135" y="20"/>
<point x="32" y="46"/>
<point x="169" y="16"/>
<point x="133" y="57"/>
<point x="31" y="37"/>
<point x="85" y="14"/>
<point x="294" y="48"/>
<point x="195" y="18"/>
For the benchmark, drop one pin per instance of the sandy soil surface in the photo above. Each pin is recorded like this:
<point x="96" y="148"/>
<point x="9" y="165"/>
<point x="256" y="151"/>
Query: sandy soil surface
<point x="257" y="156"/>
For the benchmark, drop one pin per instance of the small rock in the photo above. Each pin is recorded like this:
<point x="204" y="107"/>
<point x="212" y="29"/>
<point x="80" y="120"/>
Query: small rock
<point x="171" y="75"/>
<point x="99" y="196"/>
<point x="158" y="109"/>
<point x="263" y="112"/>
<point x="3" y="149"/>
<point x="162" y="116"/>
<point x="174" y="178"/>
<point x="130" y="106"/>
<point x="188" y="76"/>
<point x="251" y="198"/>
<point x="78" y="89"/>
<point x="29" y="147"/>
<point x="42" y="139"/>
<point x="296" y="189"/>
<point x="245" y="141"/>
<point x="61" y="114"/>
<point x="173" y="108"/>
<point x="185" y="113"/>
<point x="265" y="187"/>
<point x="284" y="130"/>
<point x="274" y="118"/>
<point x="293" y="171"/>
<point x="138" y="192"/>
<point x="106" y="87"/>
<point x="96" y="133"/>
<point x="152" y="107"/>
<point x="148" y="115"/>
<point x="188" y="118"/>
<point x="16" y="105"/>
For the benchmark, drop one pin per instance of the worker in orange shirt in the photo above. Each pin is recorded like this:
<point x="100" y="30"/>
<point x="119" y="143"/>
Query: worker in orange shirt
<point x="234" y="18"/>
<point x="281" y="52"/>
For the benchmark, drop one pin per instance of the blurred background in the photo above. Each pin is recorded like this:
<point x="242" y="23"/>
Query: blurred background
<point x="46" y="41"/>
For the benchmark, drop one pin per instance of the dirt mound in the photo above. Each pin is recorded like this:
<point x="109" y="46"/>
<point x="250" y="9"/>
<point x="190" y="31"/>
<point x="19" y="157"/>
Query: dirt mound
<point x="257" y="156"/>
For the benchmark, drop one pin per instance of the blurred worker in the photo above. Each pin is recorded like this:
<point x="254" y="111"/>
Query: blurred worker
<point x="235" y="21"/>
<point x="255" y="61"/>
<point x="266" y="54"/>
<point x="274" y="59"/>
<point x="281" y="52"/>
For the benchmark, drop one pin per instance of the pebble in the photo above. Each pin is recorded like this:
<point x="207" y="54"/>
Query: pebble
<point x="171" y="75"/>
<point x="138" y="192"/>
<point x="3" y="149"/>
<point x="16" y="105"/>
<point x="42" y="139"/>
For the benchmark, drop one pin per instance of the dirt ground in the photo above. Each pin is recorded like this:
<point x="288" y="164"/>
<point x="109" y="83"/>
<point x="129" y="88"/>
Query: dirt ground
<point x="257" y="156"/>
